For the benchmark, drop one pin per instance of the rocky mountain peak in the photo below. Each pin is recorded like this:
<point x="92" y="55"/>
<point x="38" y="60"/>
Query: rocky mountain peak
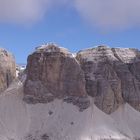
<point x="126" y="55"/>
<point x="102" y="47"/>
<point x="112" y="76"/>
<point x="53" y="48"/>
<point x="96" y="54"/>
<point x="53" y="72"/>
<point x="97" y="80"/>
<point x="7" y="69"/>
<point x="109" y="75"/>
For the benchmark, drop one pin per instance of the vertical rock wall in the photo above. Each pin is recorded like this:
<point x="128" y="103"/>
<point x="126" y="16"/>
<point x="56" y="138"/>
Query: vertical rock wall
<point x="7" y="69"/>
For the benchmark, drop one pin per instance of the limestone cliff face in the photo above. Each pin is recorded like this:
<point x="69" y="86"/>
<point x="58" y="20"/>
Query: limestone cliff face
<point x="7" y="69"/>
<point x="53" y="72"/>
<point x="112" y="76"/>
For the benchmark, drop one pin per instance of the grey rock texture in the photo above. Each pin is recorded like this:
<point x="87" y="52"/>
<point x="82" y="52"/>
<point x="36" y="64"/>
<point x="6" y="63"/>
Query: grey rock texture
<point x="7" y="69"/>
<point x="112" y="76"/>
<point x="82" y="102"/>
<point x="53" y="72"/>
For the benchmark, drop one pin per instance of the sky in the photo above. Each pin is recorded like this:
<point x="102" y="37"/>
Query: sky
<point x="73" y="24"/>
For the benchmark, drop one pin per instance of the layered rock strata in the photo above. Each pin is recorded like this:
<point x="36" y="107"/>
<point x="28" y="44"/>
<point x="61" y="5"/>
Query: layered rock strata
<point x="112" y="76"/>
<point x="53" y="72"/>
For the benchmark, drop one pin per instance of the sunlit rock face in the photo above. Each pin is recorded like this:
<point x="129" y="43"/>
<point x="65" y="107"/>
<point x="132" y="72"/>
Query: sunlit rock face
<point x="112" y="76"/>
<point x="53" y="72"/>
<point x="7" y="69"/>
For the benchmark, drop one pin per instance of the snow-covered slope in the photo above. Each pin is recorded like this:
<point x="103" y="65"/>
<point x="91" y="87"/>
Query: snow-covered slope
<point x="59" y="120"/>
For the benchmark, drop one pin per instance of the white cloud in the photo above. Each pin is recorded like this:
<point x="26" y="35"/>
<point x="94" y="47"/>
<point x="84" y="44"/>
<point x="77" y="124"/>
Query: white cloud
<point x="106" y="14"/>
<point x="26" y="11"/>
<point x="110" y="14"/>
<point x="22" y="11"/>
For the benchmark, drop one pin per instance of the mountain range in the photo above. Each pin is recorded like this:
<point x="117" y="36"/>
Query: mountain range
<point x="91" y="95"/>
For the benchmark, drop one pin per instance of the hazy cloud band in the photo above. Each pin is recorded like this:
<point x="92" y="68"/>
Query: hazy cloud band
<point x="106" y="14"/>
<point x="110" y="14"/>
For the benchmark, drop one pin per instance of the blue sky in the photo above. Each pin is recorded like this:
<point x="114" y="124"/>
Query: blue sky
<point x="68" y="27"/>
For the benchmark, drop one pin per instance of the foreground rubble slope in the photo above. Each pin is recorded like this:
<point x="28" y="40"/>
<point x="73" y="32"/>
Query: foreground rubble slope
<point x="59" y="120"/>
